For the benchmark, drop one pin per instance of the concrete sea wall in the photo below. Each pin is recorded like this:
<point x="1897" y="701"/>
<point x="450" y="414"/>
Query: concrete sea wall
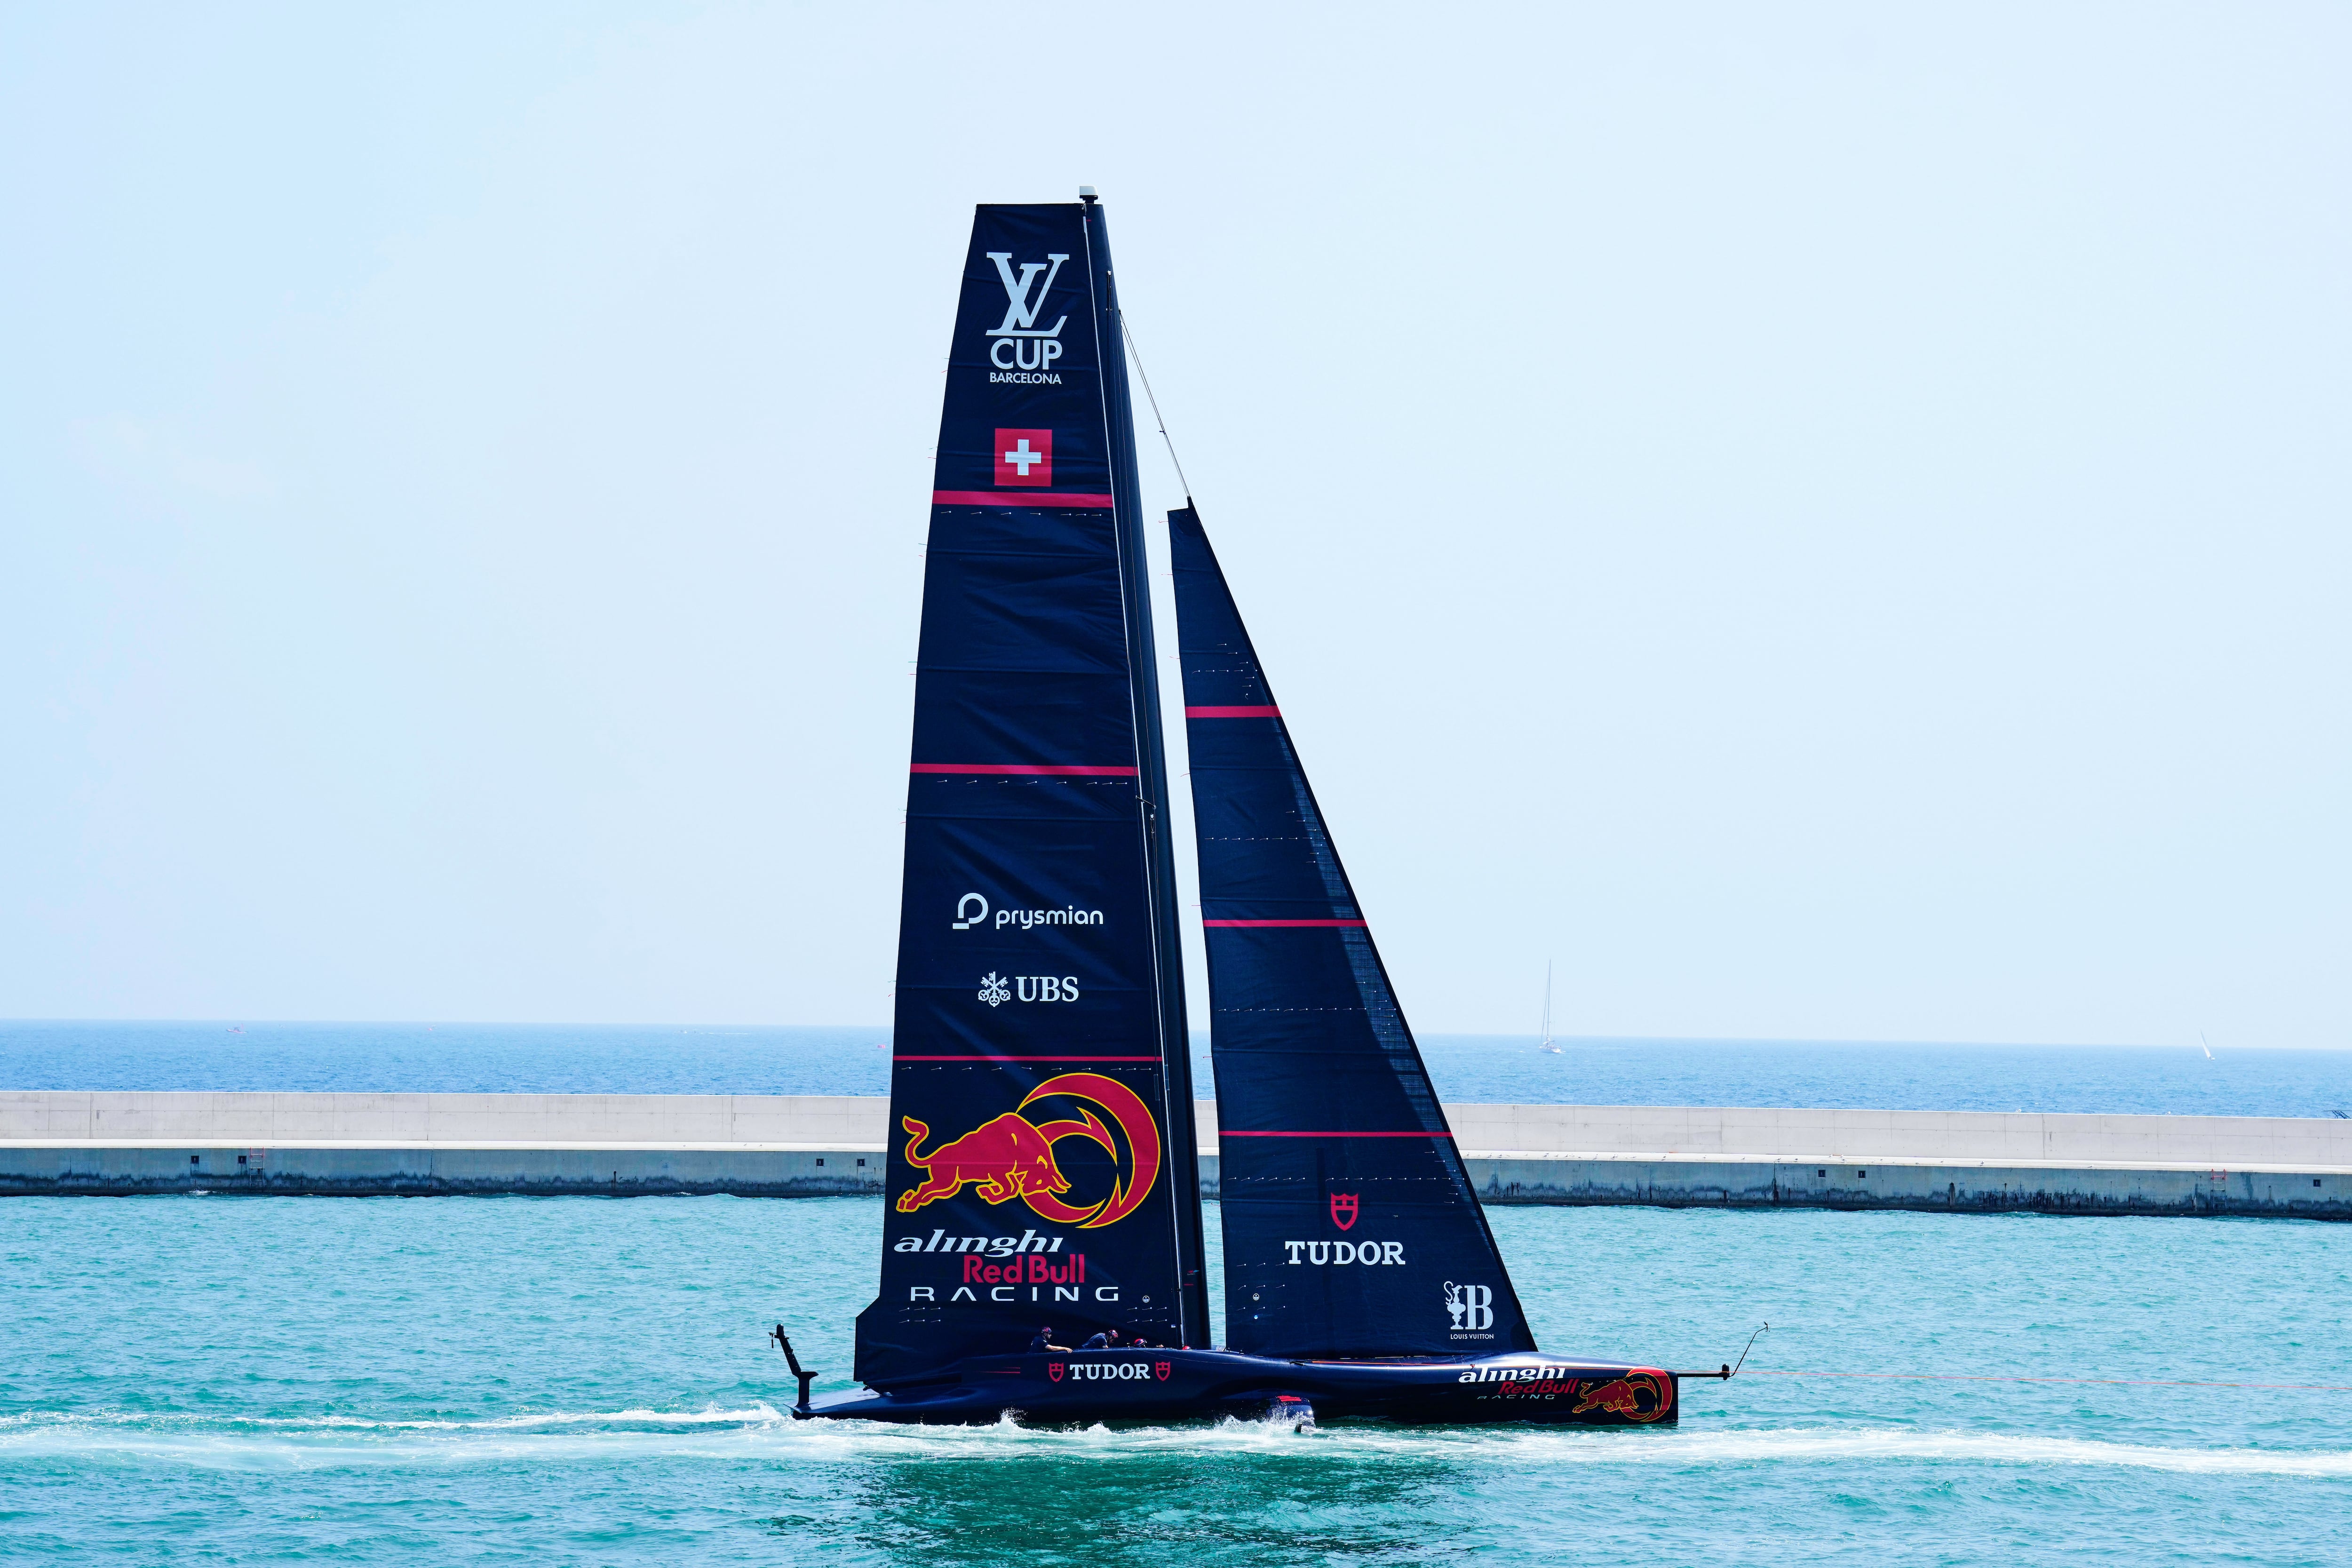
<point x="104" y="1143"/>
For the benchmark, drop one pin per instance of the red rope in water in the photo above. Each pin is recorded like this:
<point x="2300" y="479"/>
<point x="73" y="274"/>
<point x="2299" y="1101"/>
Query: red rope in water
<point x="2101" y="1382"/>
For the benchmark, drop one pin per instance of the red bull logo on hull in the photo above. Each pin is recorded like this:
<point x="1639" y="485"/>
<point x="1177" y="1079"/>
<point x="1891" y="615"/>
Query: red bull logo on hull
<point x="1009" y="1156"/>
<point x="1636" y="1397"/>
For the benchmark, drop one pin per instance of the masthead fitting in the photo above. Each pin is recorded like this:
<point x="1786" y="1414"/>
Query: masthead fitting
<point x="1086" y="195"/>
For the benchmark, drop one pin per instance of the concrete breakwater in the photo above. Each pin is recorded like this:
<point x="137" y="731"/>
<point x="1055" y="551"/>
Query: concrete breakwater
<point x="112" y="1142"/>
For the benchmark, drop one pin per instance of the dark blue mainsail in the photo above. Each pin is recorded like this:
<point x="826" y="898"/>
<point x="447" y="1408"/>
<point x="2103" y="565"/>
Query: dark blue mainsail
<point x="1351" y="1228"/>
<point x="1041" y="1165"/>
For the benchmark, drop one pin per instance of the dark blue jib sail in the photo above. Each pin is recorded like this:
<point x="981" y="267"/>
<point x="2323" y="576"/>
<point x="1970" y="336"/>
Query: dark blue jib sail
<point x="1042" y="1165"/>
<point x="1351" y="1228"/>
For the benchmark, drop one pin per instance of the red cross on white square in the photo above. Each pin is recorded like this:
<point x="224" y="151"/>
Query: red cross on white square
<point x="1024" y="457"/>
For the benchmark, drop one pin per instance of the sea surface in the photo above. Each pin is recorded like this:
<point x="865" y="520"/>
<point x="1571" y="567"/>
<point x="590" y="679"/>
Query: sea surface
<point x="508" y="1058"/>
<point x="577" y="1380"/>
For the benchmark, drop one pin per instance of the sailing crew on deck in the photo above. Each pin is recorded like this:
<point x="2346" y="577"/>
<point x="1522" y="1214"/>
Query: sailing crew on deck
<point x="1043" y="1343"/>
<point x="1106" y="1340"/>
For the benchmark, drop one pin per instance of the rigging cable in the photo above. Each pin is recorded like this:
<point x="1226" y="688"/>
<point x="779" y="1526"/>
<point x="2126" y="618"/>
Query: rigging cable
<point x="1145" y="376"/>
<point x="2101" y="1382"/>
<point x="1988" y="1377"/>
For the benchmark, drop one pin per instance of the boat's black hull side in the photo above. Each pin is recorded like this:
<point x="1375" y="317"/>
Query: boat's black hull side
<point x="1170" y="1385"/>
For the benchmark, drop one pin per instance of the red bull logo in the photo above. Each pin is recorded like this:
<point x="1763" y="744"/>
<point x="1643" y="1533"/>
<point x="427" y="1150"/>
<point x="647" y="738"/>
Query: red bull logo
<point x="1636" y="1397"/>
<point x="1009" y="1156"/>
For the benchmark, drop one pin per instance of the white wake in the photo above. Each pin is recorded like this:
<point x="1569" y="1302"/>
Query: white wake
<point x="761" y="1432"/>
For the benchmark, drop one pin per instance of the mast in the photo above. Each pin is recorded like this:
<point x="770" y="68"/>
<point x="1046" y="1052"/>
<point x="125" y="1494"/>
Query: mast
<point x="1151" y="750"/>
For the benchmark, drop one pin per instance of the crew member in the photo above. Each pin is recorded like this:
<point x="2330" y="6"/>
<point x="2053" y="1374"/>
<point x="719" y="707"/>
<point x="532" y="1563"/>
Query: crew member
<point x="1106" y="1340"/>
<point x="1044" y="1342"/>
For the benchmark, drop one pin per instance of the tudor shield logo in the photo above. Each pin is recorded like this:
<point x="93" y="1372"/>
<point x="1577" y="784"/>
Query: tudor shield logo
<point x="1343" y="1210"/>
<point x="1160" y="1368"/>
<point x="1054" y="1370"/>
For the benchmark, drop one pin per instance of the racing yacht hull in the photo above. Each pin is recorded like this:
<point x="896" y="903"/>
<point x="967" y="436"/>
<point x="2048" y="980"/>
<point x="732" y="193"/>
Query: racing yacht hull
<point x="1176" y="1385"/>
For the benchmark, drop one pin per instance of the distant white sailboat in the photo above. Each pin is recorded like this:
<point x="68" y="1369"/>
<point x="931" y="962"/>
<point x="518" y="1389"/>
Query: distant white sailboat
<point x="1547" y="1044"/>
<point x="2207" y="1044"/>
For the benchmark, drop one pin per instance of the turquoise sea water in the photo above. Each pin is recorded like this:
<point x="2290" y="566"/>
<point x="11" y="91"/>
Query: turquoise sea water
<point x="546" y="1059"/>
<point x="577" y="1380"/>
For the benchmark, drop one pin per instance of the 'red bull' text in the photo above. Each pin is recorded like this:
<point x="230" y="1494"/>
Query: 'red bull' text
<point x="1038" y="1271"/>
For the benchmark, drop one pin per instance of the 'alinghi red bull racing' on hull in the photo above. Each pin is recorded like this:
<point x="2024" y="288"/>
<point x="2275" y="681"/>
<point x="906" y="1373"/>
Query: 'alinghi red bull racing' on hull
<point x="1042" y="1247"/>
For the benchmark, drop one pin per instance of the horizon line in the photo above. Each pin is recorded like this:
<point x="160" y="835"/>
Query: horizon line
<point x="1197" y="1036"/>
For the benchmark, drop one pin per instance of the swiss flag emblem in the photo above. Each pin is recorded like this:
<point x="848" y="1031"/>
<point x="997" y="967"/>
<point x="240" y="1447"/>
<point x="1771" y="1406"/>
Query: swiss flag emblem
<point x="1024" y="457"/>
<point x="1054" y="1370"/>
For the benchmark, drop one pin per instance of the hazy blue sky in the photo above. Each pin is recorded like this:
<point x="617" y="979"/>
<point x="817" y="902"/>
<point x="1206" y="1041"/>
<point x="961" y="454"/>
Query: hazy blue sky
<point x="1824" y="520"/>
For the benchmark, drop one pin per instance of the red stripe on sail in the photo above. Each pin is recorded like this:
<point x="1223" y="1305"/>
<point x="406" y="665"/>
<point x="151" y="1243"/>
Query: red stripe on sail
<point x="1026" y="770"/>
<point x="1282" y="923"/>
<point x="980" y="1057"/>
<point x="1030" y="498"/>
<point x="1268" y="712"/>
<point x="1229" y="1132"/>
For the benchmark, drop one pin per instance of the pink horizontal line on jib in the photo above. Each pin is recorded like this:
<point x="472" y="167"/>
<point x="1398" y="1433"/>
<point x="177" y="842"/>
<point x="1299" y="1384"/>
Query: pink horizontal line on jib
<point x="1230" y="1132"/>
<point x="1269" y="712"/>
<point x="1282" y="923"/>
<point x="1017" y="497"/>
<point x="1030" y="770"/>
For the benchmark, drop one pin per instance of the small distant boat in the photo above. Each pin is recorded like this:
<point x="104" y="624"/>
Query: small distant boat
<point x="1043" y="1186"/>
<point x="2208" y="1044"/>
<point x="1546" y="1046"/>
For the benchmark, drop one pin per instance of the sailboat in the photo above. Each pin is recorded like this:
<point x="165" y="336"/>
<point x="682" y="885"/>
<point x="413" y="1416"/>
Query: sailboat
<point x="1546" y="1045"/>
<point x="1043" y="1181"/>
